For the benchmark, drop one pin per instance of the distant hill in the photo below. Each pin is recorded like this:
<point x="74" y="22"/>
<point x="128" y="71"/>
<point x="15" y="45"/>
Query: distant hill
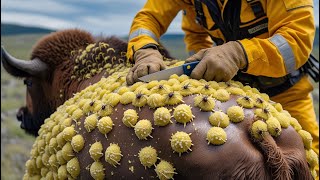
<point x="13" y="29"/>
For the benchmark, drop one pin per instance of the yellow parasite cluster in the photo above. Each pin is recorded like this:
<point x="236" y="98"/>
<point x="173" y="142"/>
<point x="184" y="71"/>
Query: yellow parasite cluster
<point x="165" y="170"/>
<point x="130" y="118"/>
<point x="113" y="154"/>
<point x="181" y="142"/>
<point x="143" y="129"/>
<point x="60" y="139"/>
<point x="97" y="170"/>
<point x="219" y="119"/>
<point x="216" y="136"/>
<point x="95" y="151"/>
<point x="183" y="114"/>
<point x="162" y="116"/>
<point x="148" y="156"/>
<point x="204" y="102"/>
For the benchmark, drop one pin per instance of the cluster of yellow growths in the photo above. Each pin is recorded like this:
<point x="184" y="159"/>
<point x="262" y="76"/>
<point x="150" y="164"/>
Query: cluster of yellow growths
<point x="54" y="152"/>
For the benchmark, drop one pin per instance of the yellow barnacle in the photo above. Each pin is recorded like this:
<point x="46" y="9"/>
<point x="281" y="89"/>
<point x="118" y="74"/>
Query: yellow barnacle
<point x="183" y="114"/>
<point x="306" y="138"/>
<point x="127" y="97"/>
<point x="73" y="167"/>
<point x="214" y="85"/>
<point x="262" y="113"/>
<point x="295" y="124"/>
<point x="187" y="89"/>
<point x="89" y="47"/>
<point x="143" y="129"/>
<point x="95" y="151"/>
<point x="112" y="99"/>
<point x="136" y="85"/>
<point x="312" y="158"/>
<point x="235" y="113"/>
<point x="105" y="110"/>
<point x="60" y="158"/>
<point x="245" y="102"/>
<point x="172" y="82"/>
<point x="259" y="129"/>
<point x="174" y="76"/>
<point x="206" y="89"/>
<point x="113" y="154"/>
<point x="219" y="119"/>
<point x="222" y="95"/>
<point x="152" y="84"/>
<point x="45" y="159"/>
<point x="91" y="122"/>
<point x="183" y="78"/>
<point x="105" y="125"/>
<point x="41" y="145"/>
<point x="181" y="142"/>
<point x="77" y="142"/>
<point x="39" y="163"/>
<point x="68" y="133"/>
<point x="161" y="89"/>
<point x="274" y="126"/>
<point x="67" y="151"/>
<point x="71" y="108"/>
<point x="140" y="100"/>
<point x="53" y="161"/>
<point x="148" y="156"/>
<point x="264" y="96"/>
<point x="44" y="171"/>
<point x="165" y="170"/>
<point x="123" y="90"/>
<point x="216" y="136"/>
<point x="142" y="90"/>
<point x="278" y="107"/>
<point x="130" y="118"/>
<point x="235" y="91"/>
<point x="162" y="116"/>
<point x="55" y="130"/>
<point x="78" y="113"/>
<point x="155" y="100"/>
<point x="173" y="98"/>
<point x="62" y="172"/>
<point x="53" y="145"/>
<point x="258" y="101"/>
<point x="284" y="119"/>
<point x="31" y="167"/>
<point x="60" y="140"/>
<point x="204" y="102"/>
<point x="97" y="171"/>
<point x="97" y="106"/>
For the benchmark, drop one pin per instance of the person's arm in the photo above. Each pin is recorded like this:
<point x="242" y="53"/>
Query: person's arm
<point x="151" y="22"/>
<point x="196" y="37"/>
<point x="291" y="28"/>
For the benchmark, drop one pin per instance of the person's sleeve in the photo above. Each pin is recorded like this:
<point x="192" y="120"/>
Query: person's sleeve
<point x="151" y="22"/>
<point x="196" y="37"/>
<point x="291" y="30"/>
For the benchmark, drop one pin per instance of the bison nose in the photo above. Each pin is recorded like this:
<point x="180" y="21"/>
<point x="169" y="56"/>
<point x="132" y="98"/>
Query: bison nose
<point x="19" y="115"/>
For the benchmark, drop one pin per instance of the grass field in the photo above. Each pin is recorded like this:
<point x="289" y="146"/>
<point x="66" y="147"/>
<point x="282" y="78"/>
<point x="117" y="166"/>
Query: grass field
<point x="15" y="144"/>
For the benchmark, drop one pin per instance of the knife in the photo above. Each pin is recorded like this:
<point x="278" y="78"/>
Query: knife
<point x="165" y="74"/>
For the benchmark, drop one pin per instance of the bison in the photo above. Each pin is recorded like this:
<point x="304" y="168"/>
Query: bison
<point x="90" y="124"/>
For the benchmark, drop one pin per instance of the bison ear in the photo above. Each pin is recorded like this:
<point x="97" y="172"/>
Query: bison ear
<point x="22" y="68"/>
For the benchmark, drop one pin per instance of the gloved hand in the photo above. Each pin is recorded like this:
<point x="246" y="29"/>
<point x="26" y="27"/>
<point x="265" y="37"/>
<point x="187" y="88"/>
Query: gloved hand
<point x="219" y="63"/>
<point x="147" y="61"/>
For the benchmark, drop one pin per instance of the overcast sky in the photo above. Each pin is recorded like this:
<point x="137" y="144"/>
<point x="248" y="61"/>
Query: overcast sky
<point x="109" y="17"/>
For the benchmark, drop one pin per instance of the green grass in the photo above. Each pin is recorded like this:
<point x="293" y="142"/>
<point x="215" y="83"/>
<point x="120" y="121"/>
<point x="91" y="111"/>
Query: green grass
<point x="15" y="143"/>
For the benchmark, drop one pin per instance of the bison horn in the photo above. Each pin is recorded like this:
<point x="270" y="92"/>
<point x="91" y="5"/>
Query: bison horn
<point x="33" y="67"/>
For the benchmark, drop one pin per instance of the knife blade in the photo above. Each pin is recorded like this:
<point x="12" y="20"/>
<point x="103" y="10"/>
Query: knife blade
<point x="165" y="74"/>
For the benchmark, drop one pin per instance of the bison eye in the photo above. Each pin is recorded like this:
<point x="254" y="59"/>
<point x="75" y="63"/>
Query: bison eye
<point x="27" y="82"/>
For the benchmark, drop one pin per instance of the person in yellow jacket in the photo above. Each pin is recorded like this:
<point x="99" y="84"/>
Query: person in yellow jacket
<point x="259" y="42"/>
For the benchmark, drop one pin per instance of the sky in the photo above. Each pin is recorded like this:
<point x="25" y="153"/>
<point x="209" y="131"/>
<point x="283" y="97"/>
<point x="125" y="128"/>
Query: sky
<point x="106" y="17"/>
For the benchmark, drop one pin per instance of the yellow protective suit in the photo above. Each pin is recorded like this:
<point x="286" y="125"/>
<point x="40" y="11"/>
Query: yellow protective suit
<point x="284" y="48"/>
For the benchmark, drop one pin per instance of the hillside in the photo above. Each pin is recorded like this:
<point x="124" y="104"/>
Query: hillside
<point x="13" y="29"/>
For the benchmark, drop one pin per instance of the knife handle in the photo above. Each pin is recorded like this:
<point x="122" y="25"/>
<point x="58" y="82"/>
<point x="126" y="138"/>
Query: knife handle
<point x="188" y="67"/>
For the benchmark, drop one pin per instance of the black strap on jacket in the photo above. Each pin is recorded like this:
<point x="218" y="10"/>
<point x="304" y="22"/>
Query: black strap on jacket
<point x="230" y="28"/>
